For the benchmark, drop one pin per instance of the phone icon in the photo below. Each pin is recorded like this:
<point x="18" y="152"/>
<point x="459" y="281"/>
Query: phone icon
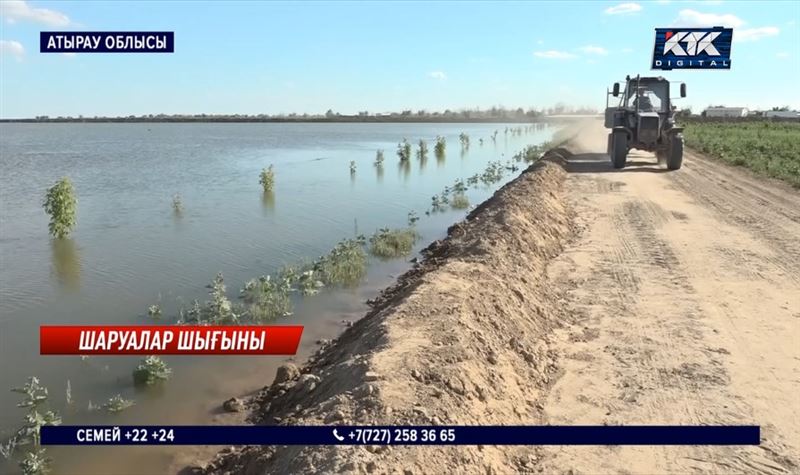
<point x="338" y="437"/>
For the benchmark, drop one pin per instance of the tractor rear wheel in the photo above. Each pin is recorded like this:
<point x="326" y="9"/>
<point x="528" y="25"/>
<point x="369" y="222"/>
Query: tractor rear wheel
<point x="675" y="153"/>
<point x="610" y="143"/>
<point x="619" y="149"/>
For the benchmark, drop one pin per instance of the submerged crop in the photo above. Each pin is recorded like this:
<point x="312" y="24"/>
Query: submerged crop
<point x="390" y="243"/>
<point x="267" y="298"/>
<point x="151" y="370"/>
<point x="346" y="264"/>
<point x="35" y="461"/>
<point x="117" y="404"/>
<point x="459" y="201"/>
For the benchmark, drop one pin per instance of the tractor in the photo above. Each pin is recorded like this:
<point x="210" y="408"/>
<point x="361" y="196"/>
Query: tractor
<point x="643" y="118"/>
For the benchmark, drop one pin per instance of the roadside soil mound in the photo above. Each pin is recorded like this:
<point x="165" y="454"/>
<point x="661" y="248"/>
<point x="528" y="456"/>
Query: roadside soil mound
<point x="461" y="338"/>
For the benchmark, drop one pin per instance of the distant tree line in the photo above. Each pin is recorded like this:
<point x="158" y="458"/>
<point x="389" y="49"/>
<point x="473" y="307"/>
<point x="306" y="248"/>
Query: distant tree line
<point x="493" y="114"/>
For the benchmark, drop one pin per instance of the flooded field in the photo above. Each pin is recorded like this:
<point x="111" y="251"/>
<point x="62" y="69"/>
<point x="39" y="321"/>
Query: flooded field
<point x="130" y="250"/>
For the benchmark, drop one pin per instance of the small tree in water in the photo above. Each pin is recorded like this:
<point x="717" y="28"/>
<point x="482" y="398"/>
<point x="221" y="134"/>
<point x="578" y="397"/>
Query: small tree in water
<point x="404" y="150"/>
<point x="440" y="146"/>
<point x="267" y="178"/>
<point x="60" y="203"/>
<point x="422" y="152"/>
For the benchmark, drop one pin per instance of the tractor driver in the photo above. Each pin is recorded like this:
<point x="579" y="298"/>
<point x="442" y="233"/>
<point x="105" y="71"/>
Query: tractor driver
<point x="642" y="101"/>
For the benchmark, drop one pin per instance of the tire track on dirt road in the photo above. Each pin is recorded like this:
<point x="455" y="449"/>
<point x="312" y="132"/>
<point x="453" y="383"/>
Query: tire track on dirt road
<point x="684" y="290"/>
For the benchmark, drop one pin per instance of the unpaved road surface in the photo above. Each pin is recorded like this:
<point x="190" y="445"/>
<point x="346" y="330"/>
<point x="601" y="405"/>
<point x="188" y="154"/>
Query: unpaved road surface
<point x="577" y="294"/>
<point x="684" y="289"/>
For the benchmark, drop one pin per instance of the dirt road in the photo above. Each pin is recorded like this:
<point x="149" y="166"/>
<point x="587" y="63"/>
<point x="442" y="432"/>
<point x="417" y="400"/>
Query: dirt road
<point x="684" y="289"/>
<point x="577" y="294"/>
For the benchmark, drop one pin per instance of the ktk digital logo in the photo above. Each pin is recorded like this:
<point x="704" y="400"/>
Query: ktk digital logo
<point x="693" y="48"/>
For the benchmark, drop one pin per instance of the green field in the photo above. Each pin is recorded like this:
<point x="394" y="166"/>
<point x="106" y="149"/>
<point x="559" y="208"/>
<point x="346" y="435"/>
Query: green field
<point x="766" y="147"/>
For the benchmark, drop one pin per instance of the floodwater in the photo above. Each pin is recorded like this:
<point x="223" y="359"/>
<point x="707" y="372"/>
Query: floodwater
<point x="129" y="250"/>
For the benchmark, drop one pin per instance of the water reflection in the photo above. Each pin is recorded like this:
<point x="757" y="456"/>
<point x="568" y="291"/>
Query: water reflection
<point x="379" y="172"/>
<point x="66" y="263"/>
<point x="440" y="158"/>
<point x="404" y="169"/>
<point x="268" y="202"/>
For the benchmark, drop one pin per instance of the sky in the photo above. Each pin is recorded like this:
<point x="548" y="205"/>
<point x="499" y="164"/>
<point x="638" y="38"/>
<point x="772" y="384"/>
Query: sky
<point x="307" y="57"/>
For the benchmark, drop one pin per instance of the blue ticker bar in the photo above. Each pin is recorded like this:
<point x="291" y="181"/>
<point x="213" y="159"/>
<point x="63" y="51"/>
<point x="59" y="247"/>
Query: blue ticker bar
<point x="400" y="435"/>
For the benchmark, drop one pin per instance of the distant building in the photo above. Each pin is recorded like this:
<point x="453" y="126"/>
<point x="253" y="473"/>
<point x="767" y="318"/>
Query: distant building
<point x="726" y="112"/>
<point x="782" y="114"/>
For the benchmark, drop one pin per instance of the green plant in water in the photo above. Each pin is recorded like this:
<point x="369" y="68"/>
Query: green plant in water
<point x="390" y="243"/>
<point x="35" y="462"/>
<point x="62" y="206"/>
<point x="459" y="187"/>
<point x="437" y="204"/>
<point x="352" y="167"/>
<point x="529" y="154"/>
<point x="473" y="180"/>
<point x="177" y="204"/>
<point x="379" y="158"/>
<point x="346" y="264"/>
<point x="459" y="201"/>
<point x="151" y="370"/>
<point x="308" y="282"/>
<point x="422" y="151"/>
<point x="193" y="314"/>
<point x="154" y="311"/>
<point x="35" y="398"/>
<point x="493" y="173"/>
<point x="219" y="310"/>
<point x="464" y="139"/>
<point x="267" y="178"/>
<point x="412" y="218"/>
<point x="117" y="404"/>
<point x="440" y="147"/>
<point x="404" y="150"/>
<point x="268" y="298"/>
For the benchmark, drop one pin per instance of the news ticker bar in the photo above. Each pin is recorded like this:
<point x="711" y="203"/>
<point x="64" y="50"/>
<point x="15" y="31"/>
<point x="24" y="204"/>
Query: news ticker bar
<point x="400" y="435"/>
<point x="106" y="42"/>
<point x="169" y="339"/>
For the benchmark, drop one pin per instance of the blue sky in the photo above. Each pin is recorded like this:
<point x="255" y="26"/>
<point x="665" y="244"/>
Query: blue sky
<point x="274" y="57"/>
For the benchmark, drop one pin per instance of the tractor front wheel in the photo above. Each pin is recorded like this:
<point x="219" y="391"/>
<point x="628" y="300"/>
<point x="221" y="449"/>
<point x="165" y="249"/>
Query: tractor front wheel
<point x="619" y="149"/>
<point x="675" y="153"/>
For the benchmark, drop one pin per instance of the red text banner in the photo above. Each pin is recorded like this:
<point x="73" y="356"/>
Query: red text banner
<point x="169" y="340"/>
